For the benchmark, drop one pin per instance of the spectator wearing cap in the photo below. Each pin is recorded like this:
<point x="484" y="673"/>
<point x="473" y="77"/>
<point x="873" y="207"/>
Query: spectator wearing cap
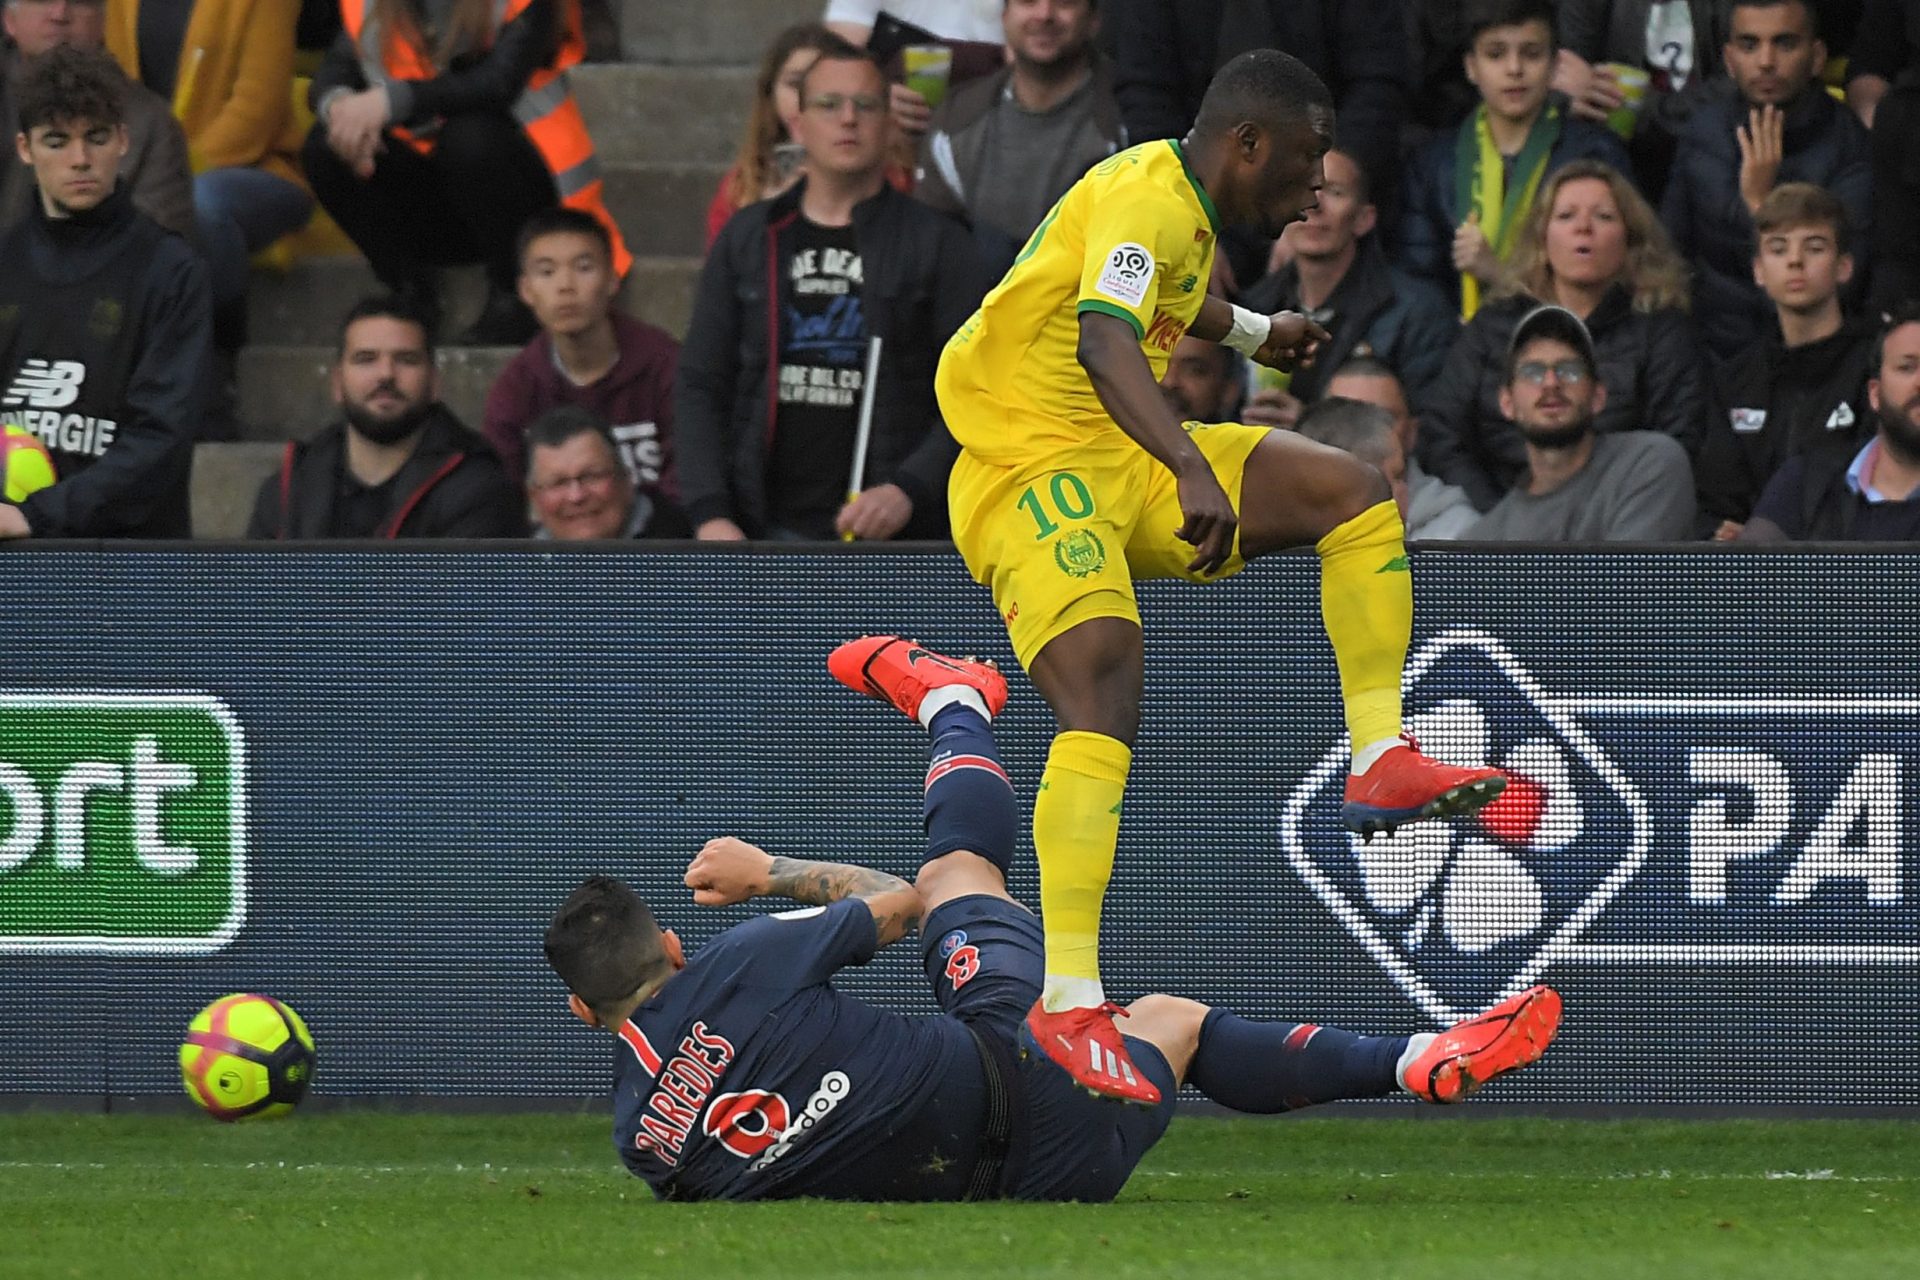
<point x="1435" y="509"/>
<point x="1805" y="383"/>
<point x="1469" y="191"/>
<point x="578" y="487"/>
<point x="1579" y="485"/>
<point x="1337" y="274"/>
<point x="1769" y="121"/>
<point x="1593" y="246"/>
<point x="1002" y="149"/>
<point x="771" y="379"/>
<point x="1869" y="493"/>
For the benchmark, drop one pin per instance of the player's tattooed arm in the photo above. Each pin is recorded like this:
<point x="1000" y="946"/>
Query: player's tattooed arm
<point x="728" y="870"/>
<point x="895" y="903"/>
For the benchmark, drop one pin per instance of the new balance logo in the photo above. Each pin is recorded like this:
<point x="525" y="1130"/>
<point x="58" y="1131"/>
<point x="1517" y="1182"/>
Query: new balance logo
<point x="46" y="384"/>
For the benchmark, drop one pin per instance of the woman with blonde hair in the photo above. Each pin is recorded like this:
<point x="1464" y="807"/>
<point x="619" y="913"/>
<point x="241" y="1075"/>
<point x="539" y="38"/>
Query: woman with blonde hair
<point x="768" y="161"/>
<point x="443" y="126"/>
<point x="1592" y="245"/>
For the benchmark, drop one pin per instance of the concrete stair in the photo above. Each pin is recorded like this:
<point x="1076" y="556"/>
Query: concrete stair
<point x="707" y="31"/>
<point x="665" y="124"/>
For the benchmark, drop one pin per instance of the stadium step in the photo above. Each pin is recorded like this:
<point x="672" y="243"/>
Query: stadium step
<point x="303" y="306"/>
<point x="664" y="114"/>
<point x="709" y="31"/>
<point x="284" y="390"/>
<point x="226" y="479"/>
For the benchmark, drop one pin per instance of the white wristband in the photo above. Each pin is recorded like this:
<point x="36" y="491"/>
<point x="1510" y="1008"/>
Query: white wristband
<point x="1249" y="333"/>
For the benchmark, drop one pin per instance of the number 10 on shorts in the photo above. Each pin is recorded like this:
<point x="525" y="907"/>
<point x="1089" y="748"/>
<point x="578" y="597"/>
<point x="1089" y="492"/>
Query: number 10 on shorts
<point x="1071" y="500"/>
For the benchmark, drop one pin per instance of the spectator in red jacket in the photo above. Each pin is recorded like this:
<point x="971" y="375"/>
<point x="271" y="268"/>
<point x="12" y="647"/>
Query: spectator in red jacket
<point x="591" y="354"/>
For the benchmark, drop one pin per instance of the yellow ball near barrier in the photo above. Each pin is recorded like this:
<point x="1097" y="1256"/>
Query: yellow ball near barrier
<point x="246" y="1056"/>
<point x="25" y="464"/>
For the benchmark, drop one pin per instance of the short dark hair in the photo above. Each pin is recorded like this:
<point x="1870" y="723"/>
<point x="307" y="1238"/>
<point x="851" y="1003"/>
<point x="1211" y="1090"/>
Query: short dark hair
<point x="66" y="84"/>
<point x="1806" y="6"/>
<point x="1368" y="367"/>
<point x="1265" y="86"/>
<point x="1801" y="204"/>
<point x="1355" y="426"/>
<point x="1477" y="16"/>
<point x="604" y="943"/>
<point x="560" y="220"/>
<point x="565" y="421"/>
<point x="845" y="53"/>
<point x="1906" y="313"/>
<point x="390" y="306"/>
<point x="1354" y="158"/>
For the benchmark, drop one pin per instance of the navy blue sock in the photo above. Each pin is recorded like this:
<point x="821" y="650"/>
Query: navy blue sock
<point x="969" y="801"/>
<point x="1263" y="1067"/>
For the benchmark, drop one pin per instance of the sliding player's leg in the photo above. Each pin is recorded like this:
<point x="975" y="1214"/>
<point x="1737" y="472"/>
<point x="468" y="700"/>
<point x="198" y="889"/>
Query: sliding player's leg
<point x="1264" y="1067"/>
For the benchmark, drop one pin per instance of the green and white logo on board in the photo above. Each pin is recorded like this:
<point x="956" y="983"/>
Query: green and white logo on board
<point x="122" y="823"/>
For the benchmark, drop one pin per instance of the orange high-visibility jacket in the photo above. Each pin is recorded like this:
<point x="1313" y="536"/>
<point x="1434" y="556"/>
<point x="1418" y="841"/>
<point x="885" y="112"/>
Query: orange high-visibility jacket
<point x="546" y="108"/>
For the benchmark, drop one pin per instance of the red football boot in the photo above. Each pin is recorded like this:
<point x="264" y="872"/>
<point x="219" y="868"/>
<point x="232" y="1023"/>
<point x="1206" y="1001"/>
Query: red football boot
<point x="1466" y="1055"/>
<point x="1087" y="1046"/>
<point x="902" y="672"/>
<point x="1405" y="786"/>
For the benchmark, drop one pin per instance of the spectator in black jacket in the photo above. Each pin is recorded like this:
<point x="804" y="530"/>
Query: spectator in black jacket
<point x="105" y="320"/>
<point x="1883" y="88"/>
<point x="1468" y="191"/>
<point x="1869" y="493"/>
<point x="1802" y="385"/>
<point x="1341" y="279"/>
<point x="1770" y="121"/>
<point x="1593" y="246"/>
<point x="772" y="375"/>
<point x="1166" y="52"/>
<point x="399" y="465"/>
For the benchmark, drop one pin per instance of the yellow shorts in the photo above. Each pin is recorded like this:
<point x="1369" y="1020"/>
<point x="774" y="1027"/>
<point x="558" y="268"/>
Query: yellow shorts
<point x="1062" y="541"/>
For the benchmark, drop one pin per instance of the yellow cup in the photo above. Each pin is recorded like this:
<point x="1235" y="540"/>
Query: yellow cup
<point x="1633" y="84"/>
<point x="928" y="69"/>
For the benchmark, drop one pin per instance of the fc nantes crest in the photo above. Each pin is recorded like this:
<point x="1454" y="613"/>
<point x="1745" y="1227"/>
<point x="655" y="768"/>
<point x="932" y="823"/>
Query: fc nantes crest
<point x="1080" y="554"/>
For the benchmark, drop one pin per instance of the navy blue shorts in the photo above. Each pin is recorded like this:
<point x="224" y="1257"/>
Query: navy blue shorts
<point x="986" y="958"/>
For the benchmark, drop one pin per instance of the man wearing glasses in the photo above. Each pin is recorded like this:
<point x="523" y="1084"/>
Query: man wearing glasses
<point x="579" y="490"/>
<point x="774" y="369"/>
<point x="155" y="171"/>
<point x="1625" y="486"/>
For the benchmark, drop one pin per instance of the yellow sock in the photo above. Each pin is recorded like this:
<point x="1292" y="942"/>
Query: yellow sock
<point x="1076" y="827"/>
<point x="1366" y="601"/>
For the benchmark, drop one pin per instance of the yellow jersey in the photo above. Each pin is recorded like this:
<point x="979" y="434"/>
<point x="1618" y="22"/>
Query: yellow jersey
<point x="1133" y="238"/>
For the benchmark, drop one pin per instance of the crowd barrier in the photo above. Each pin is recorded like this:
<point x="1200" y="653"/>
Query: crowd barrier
<point x="361" y="779"/>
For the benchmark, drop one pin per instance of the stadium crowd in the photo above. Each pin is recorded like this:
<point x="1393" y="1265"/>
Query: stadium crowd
<point x="1722" y="197"/>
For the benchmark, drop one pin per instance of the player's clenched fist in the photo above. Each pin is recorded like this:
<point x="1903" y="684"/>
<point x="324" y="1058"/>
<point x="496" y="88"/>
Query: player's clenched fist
<point x="1210" y="519"/>
<point x="726" y="871"/>
<point x="1292" y="339"/>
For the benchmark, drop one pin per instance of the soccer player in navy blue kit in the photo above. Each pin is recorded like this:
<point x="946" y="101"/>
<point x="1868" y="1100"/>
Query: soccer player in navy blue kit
<point x="744" y="1075"/>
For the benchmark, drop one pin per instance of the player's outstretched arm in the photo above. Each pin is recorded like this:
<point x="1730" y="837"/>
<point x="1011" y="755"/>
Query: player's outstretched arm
<point x="727" y="871"/>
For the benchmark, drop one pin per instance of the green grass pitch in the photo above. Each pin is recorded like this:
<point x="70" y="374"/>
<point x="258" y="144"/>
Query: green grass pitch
<point x="347" y="1193"/>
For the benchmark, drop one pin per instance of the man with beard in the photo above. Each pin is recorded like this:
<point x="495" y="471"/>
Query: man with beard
<point x="1625" y="486"/>
<point x="400" y="465"/>
<point x="1204" y="381"/>
<point x="1002" y="149"/>
<point x="1865" y="494"/>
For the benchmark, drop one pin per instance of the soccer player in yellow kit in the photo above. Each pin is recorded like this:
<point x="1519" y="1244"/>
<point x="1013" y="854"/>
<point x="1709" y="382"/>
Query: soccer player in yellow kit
<point x="1075" y="478"/>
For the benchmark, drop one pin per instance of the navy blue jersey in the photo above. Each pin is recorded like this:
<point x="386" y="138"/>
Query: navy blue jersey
<point x="748" y="1077"/>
